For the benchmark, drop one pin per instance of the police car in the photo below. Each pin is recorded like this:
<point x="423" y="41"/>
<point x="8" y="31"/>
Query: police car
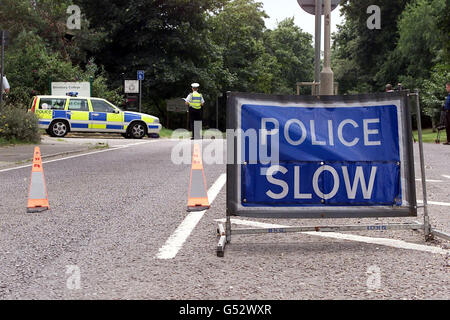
<point x="61" y="114"/>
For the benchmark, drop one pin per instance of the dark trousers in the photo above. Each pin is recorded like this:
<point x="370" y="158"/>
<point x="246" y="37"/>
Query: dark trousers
<point x="447" y="124"/>
<point x="195" y="115"/>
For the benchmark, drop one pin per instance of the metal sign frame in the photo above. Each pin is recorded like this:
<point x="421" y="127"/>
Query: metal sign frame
<point x="224" y="231"/>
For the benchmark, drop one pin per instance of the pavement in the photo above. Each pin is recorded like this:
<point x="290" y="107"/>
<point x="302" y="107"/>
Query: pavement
<point x="114" y="211"/>
<point x="54" y="147"/>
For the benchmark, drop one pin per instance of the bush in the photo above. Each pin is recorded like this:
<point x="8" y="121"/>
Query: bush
<point x="32" y="65"/>
<point x="18" y="125"/>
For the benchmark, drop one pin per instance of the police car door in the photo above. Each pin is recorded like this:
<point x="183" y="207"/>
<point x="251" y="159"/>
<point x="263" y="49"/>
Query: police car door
<point x="105" y="117"/>
<point x="50" y="108"/>
<point x="78" y="114"/>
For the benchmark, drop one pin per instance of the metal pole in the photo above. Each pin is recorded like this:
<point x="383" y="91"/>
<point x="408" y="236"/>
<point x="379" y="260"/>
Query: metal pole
<point x="140" y="94"/>
<point x="326" y="76"/>
<point x="317" y="38"/>
<point x="91" y="85"/>
<point x="228" y="228"/>
<point x="50" y="80"/>
<point x="426" y="221"/>
<point x="217" y="112"/>
<point x="1" y="68"/>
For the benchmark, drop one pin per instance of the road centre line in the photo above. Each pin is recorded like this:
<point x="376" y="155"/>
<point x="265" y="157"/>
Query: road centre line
<point x="446" y="176"/>
<point x="175" y="242"/>
<point x="81" y="155"/>
<point x="380" y="241"/>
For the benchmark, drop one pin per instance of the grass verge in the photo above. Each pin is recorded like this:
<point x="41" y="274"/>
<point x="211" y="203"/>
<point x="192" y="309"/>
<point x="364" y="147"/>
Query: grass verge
<point x="12" y="142"/>
<point x="165" y="133"/>
<point x="428" y="136"/>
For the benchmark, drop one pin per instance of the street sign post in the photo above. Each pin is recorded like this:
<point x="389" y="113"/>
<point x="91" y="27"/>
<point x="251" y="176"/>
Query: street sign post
<point x="327" y="76"/>
<point x="3" y="37"/>
<point x="317" y="8"/>
<point x="140" y="77"/>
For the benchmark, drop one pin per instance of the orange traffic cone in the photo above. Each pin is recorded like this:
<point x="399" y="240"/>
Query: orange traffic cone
<point x="37" y="198"/>
<point x="198" y="196"/>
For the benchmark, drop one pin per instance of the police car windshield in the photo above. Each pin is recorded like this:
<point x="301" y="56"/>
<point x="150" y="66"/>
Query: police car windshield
<point x="116" y="107"/>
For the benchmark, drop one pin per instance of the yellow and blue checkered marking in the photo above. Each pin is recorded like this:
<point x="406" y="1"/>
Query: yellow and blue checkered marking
<point x="95" y="120"/>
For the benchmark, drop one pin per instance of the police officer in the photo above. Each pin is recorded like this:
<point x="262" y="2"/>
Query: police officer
<point x="5" y="86"/>
<point x="195" y="102"/>
<point x="447" y="112"/>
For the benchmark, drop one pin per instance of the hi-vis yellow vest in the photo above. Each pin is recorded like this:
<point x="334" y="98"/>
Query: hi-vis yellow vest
<point x="196" y="100"/>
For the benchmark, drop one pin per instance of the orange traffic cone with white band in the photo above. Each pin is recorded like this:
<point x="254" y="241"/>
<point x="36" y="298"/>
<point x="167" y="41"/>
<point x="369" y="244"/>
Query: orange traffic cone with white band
<point x="37" y="197"/>
<point x="198" y="196"/>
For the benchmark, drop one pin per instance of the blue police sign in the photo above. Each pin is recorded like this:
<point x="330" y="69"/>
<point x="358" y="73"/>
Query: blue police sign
<point x="320" y="158"/>
<point x="140" y="75"/>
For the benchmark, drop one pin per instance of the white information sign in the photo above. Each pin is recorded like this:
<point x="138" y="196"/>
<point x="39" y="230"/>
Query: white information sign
<point x="82" y="89"/>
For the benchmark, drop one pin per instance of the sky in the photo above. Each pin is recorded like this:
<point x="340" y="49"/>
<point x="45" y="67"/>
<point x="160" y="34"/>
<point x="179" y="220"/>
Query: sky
<point x="281" y="9"/>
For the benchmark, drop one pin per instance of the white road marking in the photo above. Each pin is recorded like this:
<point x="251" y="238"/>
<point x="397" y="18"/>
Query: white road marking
<point x="430" y="180"/>
<point x="445" y="176"/>
<point x="82" y="155"/>
<point x="381" y="241"/>
<point x="437" y="203"/>
<point x="175" y="242"/>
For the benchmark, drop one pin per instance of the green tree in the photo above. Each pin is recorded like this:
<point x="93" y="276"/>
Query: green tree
<point x="294" y="55"/>
<point x="433" y="93"/>
<point x="31" y="65"/>
<point x="167" y="39"/>
<point x="359" y="52"/>
<point x="421" y="41"/>
<point x="238" y="28"/>
<point x="48" y="20"/>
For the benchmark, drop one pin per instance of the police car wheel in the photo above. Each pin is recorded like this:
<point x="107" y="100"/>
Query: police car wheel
<point x="126" y="135"/>
<point x="138" y="131"/>
<point x="59" y="129"/>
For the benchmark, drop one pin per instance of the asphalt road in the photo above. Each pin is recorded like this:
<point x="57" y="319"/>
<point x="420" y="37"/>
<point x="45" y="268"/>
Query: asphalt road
<point x="113" y="211"/>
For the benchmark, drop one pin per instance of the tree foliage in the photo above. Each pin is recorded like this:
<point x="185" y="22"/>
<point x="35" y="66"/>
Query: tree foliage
<point x="294" y="55"/>
<point x="412" y="48"/>
<point x="222" y="44"/>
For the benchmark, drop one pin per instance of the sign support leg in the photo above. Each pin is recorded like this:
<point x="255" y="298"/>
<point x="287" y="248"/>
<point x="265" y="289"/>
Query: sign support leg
<point x="228" y="229"/>
<point x="224" y="233"/>
<point x="426" y="221"/>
